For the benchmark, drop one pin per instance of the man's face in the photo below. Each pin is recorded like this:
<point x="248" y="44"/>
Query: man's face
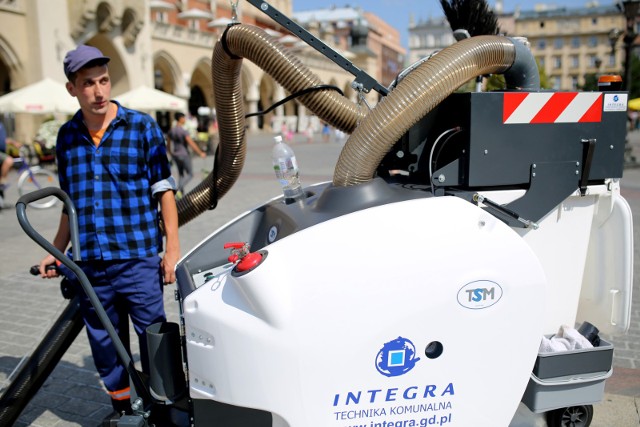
<point x="92" y="87"/>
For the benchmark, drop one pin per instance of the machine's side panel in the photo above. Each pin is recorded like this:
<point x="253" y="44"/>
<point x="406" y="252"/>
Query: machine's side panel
<point x="608" y="279"/>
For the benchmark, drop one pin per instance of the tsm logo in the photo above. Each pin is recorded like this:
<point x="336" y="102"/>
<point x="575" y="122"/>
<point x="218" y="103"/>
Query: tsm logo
<point x="479" y="294"/>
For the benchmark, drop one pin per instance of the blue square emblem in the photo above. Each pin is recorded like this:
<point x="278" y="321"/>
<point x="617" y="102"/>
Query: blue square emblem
<point x="396" y="358"/>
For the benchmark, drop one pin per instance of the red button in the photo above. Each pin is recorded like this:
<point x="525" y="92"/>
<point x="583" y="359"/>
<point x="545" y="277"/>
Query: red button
<point x="249" y="261"/>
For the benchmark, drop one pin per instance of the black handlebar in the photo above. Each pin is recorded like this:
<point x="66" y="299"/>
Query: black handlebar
<point x="31" y="232"/>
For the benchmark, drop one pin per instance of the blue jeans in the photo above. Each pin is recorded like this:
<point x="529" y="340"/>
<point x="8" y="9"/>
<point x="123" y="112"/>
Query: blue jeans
<point x="126" y="288"/>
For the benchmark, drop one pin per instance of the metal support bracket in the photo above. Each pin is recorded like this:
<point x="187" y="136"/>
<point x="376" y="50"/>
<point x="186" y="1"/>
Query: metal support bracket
<point x="362" y="79"/>
<point x="550" y="184"/>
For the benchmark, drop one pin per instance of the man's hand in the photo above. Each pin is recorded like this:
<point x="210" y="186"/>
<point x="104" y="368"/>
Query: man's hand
<point x="168" y="264"/>
<point x="46" y="273"/>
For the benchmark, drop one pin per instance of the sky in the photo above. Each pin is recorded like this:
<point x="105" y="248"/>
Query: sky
<point x="396" y="12"/>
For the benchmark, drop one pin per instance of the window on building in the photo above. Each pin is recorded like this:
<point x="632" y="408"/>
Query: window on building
<point x="575" y="42"/>
<point x="575" y="61"/>
<point x="592" y="61"/>
<point x="541" y="61"/>
<point x="558" y="43"/>
<point x="431" y="41"/>
<point x="557" y="62"/>
<point x="542" y="44"/>
<point x="612" y="60"/>
<point x="574" y="82"/>
<point x="162" y="17"/>
<point x="594" y="21"/>
<point x="413" y="41"/>
<point x="557" y="82"/>
<point x="541" y="24"/>
<point x="593" y="41"/>
<point x="193" y="24"/>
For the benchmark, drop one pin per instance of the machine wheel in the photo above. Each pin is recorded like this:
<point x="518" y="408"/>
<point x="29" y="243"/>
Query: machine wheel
<point x="573" y="416"/>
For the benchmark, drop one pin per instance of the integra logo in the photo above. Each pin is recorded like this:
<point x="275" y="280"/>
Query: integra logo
<point x="396" y="357"/>
<point x="479" y="294"/>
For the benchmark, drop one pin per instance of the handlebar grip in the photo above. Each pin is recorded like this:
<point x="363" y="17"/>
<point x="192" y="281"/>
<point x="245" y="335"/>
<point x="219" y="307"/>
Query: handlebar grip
<point x="35" y="269"/>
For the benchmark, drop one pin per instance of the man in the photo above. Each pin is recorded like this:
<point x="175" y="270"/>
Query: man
<point x="179" y="140"/>
<point x="6" y="161"/>
<point x="113" y="164"/>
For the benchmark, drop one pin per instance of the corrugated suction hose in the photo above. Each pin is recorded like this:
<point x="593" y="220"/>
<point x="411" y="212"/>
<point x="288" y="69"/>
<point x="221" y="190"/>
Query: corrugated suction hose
<point x="424" y="88"/>
<point x="412" y="99"/>
<point x="244" y="41"/>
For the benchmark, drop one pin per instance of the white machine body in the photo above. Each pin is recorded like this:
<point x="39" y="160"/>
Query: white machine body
<point x="367" y="320"/>
<point x="334" y="333"/>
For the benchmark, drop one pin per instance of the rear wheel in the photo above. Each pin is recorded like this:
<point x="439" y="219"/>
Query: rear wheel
<point x="26" y="154"/>
<point x="34" y="179"/>
<point x="573" y="416"/>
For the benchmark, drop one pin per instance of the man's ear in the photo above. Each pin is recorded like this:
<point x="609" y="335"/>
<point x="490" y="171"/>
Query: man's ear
<point x="71" y="89"/>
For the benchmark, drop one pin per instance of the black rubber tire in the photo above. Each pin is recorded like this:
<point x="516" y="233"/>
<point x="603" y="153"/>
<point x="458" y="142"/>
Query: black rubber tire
<point x="573" y="416"/>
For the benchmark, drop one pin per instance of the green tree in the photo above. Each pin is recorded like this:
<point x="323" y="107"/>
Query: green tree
<point x="590" y="83"/>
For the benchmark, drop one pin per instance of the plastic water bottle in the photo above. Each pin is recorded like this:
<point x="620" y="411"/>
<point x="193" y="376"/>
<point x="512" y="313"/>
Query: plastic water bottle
<point x="286" y="168"/>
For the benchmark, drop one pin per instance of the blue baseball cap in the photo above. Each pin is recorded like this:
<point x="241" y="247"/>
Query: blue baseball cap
<point x="81" y="56"/>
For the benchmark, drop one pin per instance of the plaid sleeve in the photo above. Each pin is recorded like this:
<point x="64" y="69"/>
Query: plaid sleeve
<point x="158" y="162"/>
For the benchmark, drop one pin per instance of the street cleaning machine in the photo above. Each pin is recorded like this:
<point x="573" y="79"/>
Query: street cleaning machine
<point x="414" y="289"/>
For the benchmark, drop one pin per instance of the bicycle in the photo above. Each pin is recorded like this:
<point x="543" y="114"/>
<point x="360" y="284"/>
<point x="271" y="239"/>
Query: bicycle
<point x="32" y="178"/>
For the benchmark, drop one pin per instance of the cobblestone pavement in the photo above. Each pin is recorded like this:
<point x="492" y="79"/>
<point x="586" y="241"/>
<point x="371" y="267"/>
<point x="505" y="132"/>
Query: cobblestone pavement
<point x="72" y="396"/>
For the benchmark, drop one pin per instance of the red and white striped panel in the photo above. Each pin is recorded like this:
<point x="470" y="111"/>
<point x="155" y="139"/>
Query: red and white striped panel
<point x="548" y="107"/>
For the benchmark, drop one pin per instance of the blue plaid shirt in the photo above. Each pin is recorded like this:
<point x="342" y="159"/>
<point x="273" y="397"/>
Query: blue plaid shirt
<point x="112" y="184"/>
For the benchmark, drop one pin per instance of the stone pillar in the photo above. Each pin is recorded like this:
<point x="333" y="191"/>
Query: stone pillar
<point x="279" y="116"/>
<point x="253" y="96"/>
<point x="303" y="120"/>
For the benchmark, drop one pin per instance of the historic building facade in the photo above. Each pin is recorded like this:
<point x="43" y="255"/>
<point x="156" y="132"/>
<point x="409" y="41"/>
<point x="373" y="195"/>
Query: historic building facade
<point x="165" y="44"/>
<point x="427" y="36"/>
<point x="369" y="42"/>
<point x="573" y="42"/>
<point x="569" y="43"/>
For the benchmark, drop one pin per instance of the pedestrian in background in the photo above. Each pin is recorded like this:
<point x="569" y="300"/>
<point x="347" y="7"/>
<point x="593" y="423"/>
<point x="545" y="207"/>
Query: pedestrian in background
<point x="308" y="132"/>
<point x="6" y="161"/>
<point x="179" y="142"/>
<point x="326" y="132"/>
<point x="112" y="163"/>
